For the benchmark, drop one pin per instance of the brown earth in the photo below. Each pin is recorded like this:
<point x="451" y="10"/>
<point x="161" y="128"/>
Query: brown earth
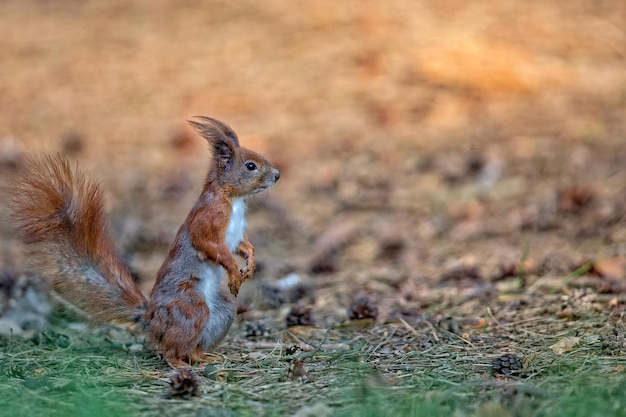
<point x="449" y="159"/>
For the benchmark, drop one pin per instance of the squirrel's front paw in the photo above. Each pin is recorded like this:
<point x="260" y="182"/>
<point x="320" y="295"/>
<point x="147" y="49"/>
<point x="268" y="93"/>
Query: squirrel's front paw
<point x="247" y="272"/>
<point x="233" y="285"/>
<point x="234" y="279"/>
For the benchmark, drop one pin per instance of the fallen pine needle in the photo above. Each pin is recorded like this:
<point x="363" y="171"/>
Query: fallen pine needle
<point x="302" y="346"/>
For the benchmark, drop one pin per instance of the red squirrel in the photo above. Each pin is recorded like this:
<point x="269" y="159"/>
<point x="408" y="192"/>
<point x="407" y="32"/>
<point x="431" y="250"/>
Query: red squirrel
<point x="59" y="214"/>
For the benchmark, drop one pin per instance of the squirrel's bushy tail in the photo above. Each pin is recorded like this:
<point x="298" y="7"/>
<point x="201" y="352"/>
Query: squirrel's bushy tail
<point x="59" y="215"/>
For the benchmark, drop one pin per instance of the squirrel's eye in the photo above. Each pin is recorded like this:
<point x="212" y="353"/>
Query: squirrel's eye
<point x="250" y="166"/>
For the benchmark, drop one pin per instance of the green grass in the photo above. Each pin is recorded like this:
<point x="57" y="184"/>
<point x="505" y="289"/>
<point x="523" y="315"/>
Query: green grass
<point x="87" y="375"/>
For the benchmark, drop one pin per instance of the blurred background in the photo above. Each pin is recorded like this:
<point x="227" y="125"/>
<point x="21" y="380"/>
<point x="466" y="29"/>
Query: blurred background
<point x="417" y="139"/>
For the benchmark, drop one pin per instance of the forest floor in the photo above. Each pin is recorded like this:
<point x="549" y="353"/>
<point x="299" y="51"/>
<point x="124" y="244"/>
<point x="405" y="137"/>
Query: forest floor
<point x="448" y="235"/>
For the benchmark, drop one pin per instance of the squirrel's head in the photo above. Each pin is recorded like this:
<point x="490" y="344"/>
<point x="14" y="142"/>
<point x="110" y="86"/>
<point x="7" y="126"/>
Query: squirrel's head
<point x="239" y="171"/>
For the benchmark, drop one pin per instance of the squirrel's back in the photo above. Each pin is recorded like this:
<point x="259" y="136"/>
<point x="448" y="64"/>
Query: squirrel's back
<point x="59" y="214"/>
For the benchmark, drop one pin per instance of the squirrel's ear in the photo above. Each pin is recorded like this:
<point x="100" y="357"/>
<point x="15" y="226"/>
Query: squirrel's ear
<point x="220" y="136"/>
<point x="212" y="129"/>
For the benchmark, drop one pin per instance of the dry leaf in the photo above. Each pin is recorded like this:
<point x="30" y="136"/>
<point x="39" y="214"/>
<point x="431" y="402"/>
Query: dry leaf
<point x="357" y="324"/>
<point x="335" y="236"/>
<point x="575" y="198"/>
<point x="297" y="370"/>
<point x="564" y="345"/>
<point x="611" y="267"/>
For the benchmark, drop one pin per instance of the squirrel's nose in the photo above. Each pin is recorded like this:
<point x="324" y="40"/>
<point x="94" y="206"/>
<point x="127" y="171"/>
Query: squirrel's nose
<point x="276" y="175"/>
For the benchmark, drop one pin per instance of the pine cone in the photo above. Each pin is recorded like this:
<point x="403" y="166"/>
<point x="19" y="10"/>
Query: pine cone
<point x="507" y="365"/>
<point x="256" y="329"/>
<point x="363" y="307"/>
<point x="184" y="384"/>
<point x="615" y="343"/>
<point x="300" y="316"/>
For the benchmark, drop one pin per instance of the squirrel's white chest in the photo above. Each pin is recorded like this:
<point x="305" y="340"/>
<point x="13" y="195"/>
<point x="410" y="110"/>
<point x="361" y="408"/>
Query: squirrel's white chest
<point x="210" y="274"/>
<point x="237" y="224"/>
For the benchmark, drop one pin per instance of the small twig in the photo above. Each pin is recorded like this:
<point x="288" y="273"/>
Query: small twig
<point x="407" y="326"/>
<point x="531" y="320"/>
<point x="493" y="317"/>
<point x="305" y="347"/>
<point x="535" y="285"/>
<point x="388" y="338"/>
<point x="432" y="329"/>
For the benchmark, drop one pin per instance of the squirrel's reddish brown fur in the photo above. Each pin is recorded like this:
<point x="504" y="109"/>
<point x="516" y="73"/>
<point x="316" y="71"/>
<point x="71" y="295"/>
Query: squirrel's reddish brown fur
<point x="59" y="215"/>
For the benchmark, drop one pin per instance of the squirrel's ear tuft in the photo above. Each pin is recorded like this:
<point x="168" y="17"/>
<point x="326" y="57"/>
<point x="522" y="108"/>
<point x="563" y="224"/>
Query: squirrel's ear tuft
<point x="220" y="136"/>
<point x="212" y="129"/>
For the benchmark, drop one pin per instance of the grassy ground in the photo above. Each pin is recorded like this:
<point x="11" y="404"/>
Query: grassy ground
<point x="74" y="373"/>
<point x="571" y="367"/>
<point x="460" y="164"/>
